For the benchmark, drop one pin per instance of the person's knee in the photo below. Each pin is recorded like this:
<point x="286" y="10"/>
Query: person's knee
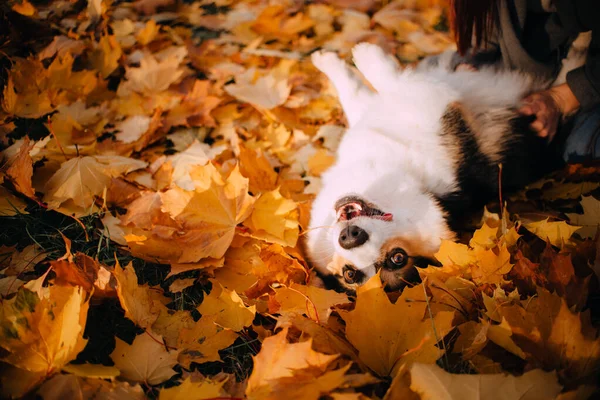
<point x="583" y="141"/>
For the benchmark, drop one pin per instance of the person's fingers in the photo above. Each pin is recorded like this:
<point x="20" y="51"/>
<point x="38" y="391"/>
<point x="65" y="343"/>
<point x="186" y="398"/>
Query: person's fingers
<point x="538" y="125"/>
<point x="543" y="133"/>
<point x="526" y="110"/>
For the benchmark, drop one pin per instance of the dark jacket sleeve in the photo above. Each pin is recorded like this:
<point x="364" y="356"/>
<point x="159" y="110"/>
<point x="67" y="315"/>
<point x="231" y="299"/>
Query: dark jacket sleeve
<point x="582" y="16"/>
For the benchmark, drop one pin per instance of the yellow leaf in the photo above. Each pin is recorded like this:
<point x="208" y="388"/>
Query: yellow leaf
<point x="452" y="253"/>
<point x="205" y="389"/>
<point x="43" y="334"/>
<point x="315" y="302"/>
<point x="484" y="237"/>
<point x="433" y="383"/>
<point x="275" y="219"/>
<point x="320" y="162"/>
<point x="10" y="204"/>
<point x="92" y="371"/>
<point x="227" y="307"/>
<point x="491" y="267"/>
<point x="265" y="92"/>
<point x="257" y="168"/>
<point x="202" y="342"/>
<point x="279" y="359"/>
<point x="148" y="33"/>
<point x="210" y="216"/>
<point x="141" y="304"/>
<point x="24" y="7"/>
<point x="557" y="233"/>
<point x="145" y="360"/>
<point x="106" y="55"/>
<point x="383" y="340"/>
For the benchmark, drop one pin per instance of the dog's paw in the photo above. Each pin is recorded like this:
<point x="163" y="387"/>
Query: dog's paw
<point x="367" y="53"/>
<point x="326" y="61"/>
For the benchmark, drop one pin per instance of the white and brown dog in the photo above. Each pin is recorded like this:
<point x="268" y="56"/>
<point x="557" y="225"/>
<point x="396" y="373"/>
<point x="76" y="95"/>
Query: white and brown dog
<point x="420" y="150"/>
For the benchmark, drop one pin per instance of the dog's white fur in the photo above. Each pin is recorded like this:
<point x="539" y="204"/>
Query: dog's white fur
<point x="393" y="156"/>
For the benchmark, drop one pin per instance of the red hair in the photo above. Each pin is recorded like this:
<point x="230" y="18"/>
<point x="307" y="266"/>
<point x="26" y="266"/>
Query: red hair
<point x="472" y="22"/>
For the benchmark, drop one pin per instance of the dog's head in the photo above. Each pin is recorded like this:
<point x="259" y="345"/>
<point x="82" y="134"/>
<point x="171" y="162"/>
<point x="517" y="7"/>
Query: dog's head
<point x="366" y="238"/>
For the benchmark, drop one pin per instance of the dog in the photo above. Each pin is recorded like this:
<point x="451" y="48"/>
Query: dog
<point x="421" y="149"/>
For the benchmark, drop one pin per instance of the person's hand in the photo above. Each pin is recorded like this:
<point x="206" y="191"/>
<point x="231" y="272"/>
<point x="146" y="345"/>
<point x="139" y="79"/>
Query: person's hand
<point x="465" y="67"/>
<point x="549" y="106"/>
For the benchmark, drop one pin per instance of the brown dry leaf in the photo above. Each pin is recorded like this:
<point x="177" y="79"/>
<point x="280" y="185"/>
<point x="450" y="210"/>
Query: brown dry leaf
<point x="62" y="387"/>
<point x="384" y="341"/>
<point x="81" y="179"/>
<point x="142" y="304"/>
<point x="202" y="342"/>
<point x="11" y="205"/>
<point x="433" y="383"/>
<point x="276" y="266"/>
<point x="170" y="323"/>
<point x="590" y="219"/>
<point x="205" y="389"/>
<point x="554" y="337"/>
<point x="195" y="108"/>
<point x="148" y="33"/>
<point x="557" y="233"/>
<point x="92" y="371"/>
<point x="278" y="360"/>
<point x="227" y="308"/>
<point x="20" y="169"/>
<point x="274" y="219"/>
<point x="42" y="334"/>
<point x="209" y="263"/>
<point x="154" y="76"/>
<point x="145" y="360"/>
<point x="314" y="302"/>
<point x="22" y="261"/>
<point x="9" y="285"/>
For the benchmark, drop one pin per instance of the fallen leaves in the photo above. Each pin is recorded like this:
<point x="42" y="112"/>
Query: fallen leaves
<point x="185" y="142"/>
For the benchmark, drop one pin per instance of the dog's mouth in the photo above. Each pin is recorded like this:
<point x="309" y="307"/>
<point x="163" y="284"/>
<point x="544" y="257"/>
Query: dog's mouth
<point x="351" y="207"/>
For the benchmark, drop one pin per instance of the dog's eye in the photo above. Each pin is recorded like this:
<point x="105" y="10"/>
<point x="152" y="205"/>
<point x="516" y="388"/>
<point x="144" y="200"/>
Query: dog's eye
<point x="398" y="258"/>
<point x="350" y="275"/>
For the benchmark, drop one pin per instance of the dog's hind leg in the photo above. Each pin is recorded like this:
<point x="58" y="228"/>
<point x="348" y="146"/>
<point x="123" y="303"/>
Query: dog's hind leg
<point x="354" y="95"/>
<point x="379" y="68"/>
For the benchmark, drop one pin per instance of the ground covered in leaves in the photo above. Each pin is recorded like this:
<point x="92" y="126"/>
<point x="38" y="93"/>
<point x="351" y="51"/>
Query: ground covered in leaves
<point x="159" y="158"/>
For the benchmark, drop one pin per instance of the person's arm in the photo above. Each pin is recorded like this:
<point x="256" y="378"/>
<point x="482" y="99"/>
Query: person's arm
<point x="582" y="89"/>
<point x="582" y="16"/>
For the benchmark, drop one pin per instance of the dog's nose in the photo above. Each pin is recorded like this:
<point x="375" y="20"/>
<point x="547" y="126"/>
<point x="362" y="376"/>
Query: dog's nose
<point x="352" y="236"/>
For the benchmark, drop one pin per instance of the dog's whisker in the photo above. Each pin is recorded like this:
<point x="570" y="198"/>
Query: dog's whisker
<point x="315" y="228"/>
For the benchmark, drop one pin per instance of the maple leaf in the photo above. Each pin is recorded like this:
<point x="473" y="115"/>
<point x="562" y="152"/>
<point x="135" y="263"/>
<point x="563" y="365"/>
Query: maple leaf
<point x="315" y="302"/>
<point x="279" y="359"/>
<point x="209" y="217"/>
<point x="92" y="371"/>
<point x="42" y="334"/>
<point x="590" y="219"/>
<point x="80" y="179"/>
<point x="383" y="340"/>
<point x="557" y="233"/>
<point x="72" y="386"/>
<point x="106" y="55"/>
<point x="154" y="75"/>
<point x="227" y="307"/>
<point x="491" y="266"/>
<point x="20" y="169"/>
<point x="202" y="342"/>
<point x="265" y="92"/>
<point x="433" y="383"/>
<point x="274" y="219"/>
<point x="142" y="305"/>
<point x="195" y="108"/>
<point x="10" y="204"/>
<point x="553" y="336"/>
<point x="145" y="360"/>
<point x="257" y="168"/>
<point x="206" y="389"/>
